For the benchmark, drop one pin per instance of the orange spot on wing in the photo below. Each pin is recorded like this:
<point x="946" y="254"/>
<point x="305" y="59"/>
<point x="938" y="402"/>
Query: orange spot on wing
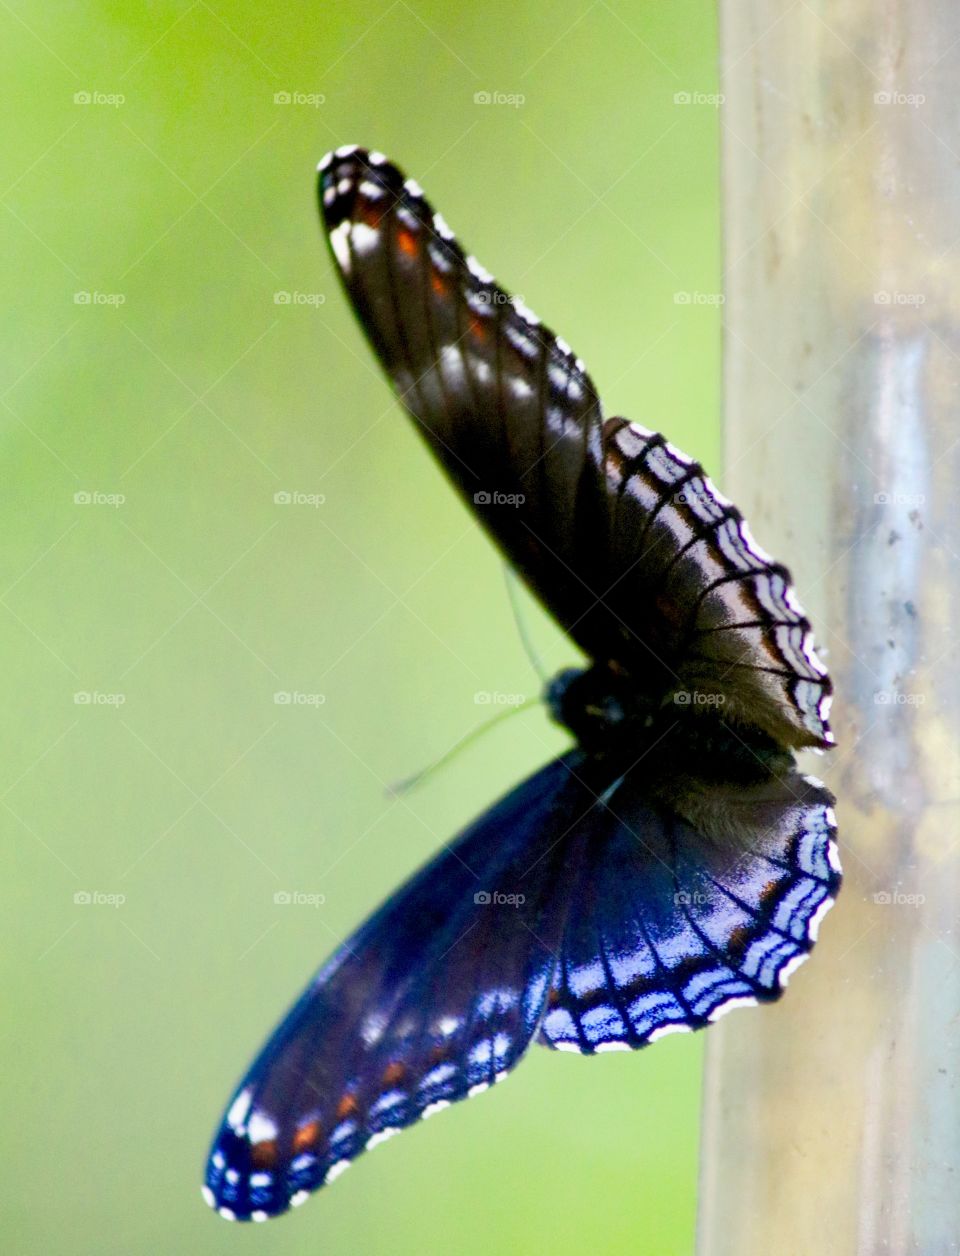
<point x="438" y="284"/>
<point x="477" y="330"/>
<point x="769" y="892"/>
<point x="306" y="1136"/>
<point x="347" y="1107"/>
<point x="394" y="1073"/>
<point x="372" y="213"/>
<point x="264" y="1155"/>
<point x="407" y="242"/>
<point x="738" y="940"/>
<point x="670" y="609"/>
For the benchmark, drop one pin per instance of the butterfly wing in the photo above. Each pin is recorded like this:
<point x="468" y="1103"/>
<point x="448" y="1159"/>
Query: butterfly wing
<point x="434" y="999"/>
<point x="680" y="918"/>
<point x="624" y="539"/>
<point x="598" y="906"/>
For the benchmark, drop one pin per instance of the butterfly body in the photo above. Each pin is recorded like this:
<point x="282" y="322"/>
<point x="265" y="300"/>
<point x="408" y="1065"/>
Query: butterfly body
<point x="600" y="707"/>
<point x="674" y="864"/>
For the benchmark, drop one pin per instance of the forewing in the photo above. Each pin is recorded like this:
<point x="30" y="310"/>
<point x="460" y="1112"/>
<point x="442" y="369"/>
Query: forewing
<point x="433" y="1000"/>
<point x="623" y="538"/>
<point x="503" y="403"/>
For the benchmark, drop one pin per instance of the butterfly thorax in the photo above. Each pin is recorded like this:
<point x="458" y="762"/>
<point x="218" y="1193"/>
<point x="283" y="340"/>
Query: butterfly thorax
<point x="609" y="715"/>
<point x="600" y="705"/>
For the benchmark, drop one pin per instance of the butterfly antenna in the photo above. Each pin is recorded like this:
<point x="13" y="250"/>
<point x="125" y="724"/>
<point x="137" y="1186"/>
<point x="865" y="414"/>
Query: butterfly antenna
<point x="513" y="593"/>
<point x="411" y="782"/>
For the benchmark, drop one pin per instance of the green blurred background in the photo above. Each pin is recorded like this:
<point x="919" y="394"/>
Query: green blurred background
<point x="178" y="184"/>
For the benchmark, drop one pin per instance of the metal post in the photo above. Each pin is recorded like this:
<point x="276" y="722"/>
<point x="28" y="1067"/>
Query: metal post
<point x="832" y="1120"/>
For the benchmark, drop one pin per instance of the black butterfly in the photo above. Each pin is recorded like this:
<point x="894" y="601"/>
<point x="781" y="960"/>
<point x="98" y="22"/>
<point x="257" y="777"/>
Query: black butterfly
<point x="671" y="867"/>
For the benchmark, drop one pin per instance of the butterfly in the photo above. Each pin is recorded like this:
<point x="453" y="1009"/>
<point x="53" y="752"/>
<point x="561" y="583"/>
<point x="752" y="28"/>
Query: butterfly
<point x="671" y="866"/>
